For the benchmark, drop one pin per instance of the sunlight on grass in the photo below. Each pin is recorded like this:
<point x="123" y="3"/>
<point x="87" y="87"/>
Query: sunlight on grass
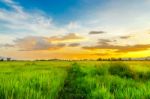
<point x="74" y="80"/>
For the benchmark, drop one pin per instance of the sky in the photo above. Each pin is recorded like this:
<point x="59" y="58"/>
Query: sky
<point x="74" y="29"/>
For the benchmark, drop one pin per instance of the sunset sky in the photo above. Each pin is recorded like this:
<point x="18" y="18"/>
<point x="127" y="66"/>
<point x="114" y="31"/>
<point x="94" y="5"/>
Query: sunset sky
<point x="74" y="29"/>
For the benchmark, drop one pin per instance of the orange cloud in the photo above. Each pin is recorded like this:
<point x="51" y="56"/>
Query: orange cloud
<point x="138" y="47"/>
<point x="43" y="43"/>
<point x="36" y="43"/>
<point x="105" y="44"/>
<point x="68" y="37"/>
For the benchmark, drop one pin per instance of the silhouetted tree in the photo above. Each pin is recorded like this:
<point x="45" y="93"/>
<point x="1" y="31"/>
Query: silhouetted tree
<point x="8" y="59"/>
<point x="1" y="59"/>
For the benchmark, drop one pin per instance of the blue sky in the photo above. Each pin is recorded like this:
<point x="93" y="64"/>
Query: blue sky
<point x="60" y="10"/>
<point x="56" y="26"/>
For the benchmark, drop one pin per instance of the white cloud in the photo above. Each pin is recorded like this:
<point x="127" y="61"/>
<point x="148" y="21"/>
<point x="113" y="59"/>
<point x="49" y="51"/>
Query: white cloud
<point x="116" y="18"/>
<point x="73" y="25"/>
<point x="13" y="5"/>
<point x="119" y="18"/>
<point x="20" y="22"/>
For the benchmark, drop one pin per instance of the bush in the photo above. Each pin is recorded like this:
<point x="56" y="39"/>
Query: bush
<point x="148" y="76"/>
<point x="102" y="70"/>
<point x="144" y="76"/>
<point x="122" y="70"/>
<point x="76" y="70"/>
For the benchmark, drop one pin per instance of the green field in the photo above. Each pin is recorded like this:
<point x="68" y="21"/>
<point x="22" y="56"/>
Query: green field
<point x="75" y="80"/>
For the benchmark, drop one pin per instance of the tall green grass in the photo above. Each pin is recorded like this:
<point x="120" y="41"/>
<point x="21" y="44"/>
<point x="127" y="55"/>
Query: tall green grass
<point x="31" y="81"/>
<point x="74" y="80"/>
<point x="115" y="81"/>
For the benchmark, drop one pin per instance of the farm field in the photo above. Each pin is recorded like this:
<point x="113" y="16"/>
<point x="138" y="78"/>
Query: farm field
<point x="75" y="80"/>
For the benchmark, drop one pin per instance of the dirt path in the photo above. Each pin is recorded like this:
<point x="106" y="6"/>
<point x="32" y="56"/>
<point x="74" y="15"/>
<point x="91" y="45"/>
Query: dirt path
<point x="73" y="87"/>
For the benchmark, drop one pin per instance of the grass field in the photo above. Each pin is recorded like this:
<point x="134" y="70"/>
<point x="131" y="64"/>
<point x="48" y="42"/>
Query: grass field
<point x="75" y="80"/>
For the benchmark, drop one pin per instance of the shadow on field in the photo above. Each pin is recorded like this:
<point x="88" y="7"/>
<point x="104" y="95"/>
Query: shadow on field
<point x="108" y="81"/>
<point x="124" y="71"/>
<point x="74" y="88"/>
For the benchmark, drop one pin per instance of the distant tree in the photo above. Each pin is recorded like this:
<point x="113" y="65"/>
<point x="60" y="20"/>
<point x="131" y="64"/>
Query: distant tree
<point x="113" y="59"/>
<point x="1" y="59"/>
<point x="129" y="59"/>
<point x="99" y="59"/>
<point x="119" y="59"/>
<point x="8" y="59"/>
<point x="109" y="59"/>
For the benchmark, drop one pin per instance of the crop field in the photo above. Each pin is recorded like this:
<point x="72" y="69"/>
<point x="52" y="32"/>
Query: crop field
<point x="75" y="80"/>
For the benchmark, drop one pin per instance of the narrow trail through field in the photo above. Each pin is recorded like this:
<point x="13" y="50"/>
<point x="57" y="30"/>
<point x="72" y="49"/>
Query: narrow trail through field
<point x="73" y="88"/>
